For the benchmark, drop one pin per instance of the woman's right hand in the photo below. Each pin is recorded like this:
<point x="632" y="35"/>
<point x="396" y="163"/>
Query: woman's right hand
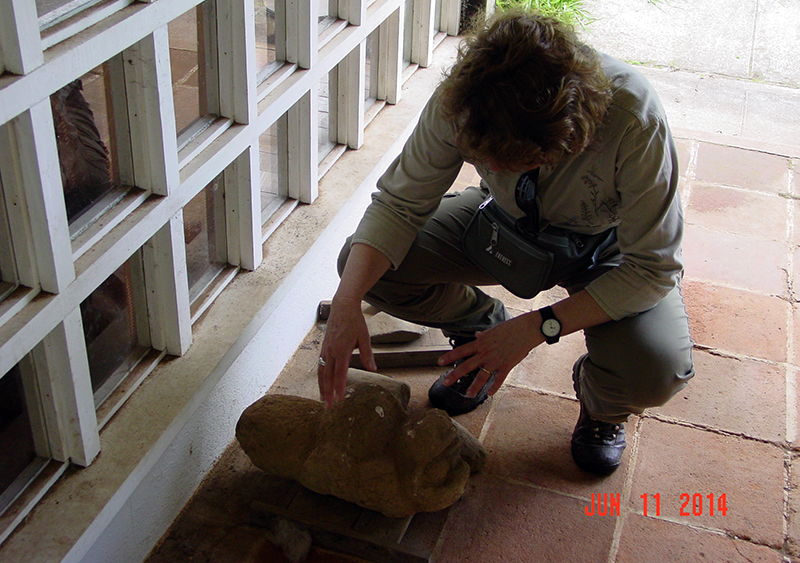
<point x="347" y="328"/>
<point x="345" y="331"/>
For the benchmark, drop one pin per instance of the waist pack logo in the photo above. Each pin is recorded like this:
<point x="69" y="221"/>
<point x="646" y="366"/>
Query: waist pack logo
<point x="496" y="254"/>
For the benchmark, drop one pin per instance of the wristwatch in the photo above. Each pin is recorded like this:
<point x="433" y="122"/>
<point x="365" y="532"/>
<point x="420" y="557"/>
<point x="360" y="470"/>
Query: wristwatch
<point x="551" y="326"/>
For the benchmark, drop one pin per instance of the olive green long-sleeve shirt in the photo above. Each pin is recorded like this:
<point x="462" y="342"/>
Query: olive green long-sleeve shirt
<point x="627" y="179"/>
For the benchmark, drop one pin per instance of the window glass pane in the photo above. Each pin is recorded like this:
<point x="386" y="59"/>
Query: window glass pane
<point x="273" y="190"/>
<point x="190" y="67"/>
<point x="371" y="71"/>
<point x="8" y="269"/>
<point x="54" y="11"/>
<point x="83" y="116"/>
<point x="110" y="330"/>
<point x="326" y="119"/>
<point x="204" y="233"/>
<point x="17" y="447"/>
<point x="327" y="14"/>
<point x="407" y="32"/>
<point x="265" y="33"/>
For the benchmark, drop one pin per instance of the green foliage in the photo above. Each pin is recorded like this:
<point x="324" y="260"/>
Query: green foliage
<point x="568" y="11"/>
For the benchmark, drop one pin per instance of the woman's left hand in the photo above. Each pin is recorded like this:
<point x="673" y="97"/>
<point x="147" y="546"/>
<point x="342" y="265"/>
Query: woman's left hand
<point x="496" y="350"/>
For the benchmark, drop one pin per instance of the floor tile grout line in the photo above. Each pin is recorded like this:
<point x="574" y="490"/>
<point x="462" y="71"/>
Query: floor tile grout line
<point x="783" y="445"/>
<point x="730" y="354"/>
<point x="530" y="485"/>
<point x="627" y="487"/>
<point x="753" y="36"/>
<point x="741" y="143"/>
<point x="613" y="551"/>
<point x="738" y="288"/>
<point x="744" y="189"/>
<point x="689" y="176"/>
<point x="791" y="404"/>
<point x="791" y="373"/>
<point x="489" y="420"/>
<point x="734" y="233"/>
<point x="787" y="485"/>
<point x="717" y="284"/>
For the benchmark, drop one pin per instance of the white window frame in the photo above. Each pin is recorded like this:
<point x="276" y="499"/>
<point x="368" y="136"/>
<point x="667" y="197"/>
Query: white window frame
<point x="56" y="274"/>
<point x="20" y="45"/>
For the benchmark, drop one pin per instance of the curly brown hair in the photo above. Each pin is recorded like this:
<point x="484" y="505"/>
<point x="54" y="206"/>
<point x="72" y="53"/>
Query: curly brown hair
<point x="524" y="92"/>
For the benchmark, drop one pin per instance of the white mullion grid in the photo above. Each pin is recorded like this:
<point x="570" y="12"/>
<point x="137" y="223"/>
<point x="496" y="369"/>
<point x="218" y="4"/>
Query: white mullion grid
<point x="121" y="147"/>
<point x="19" y="225"/>
<point x="281" y="30"/>
<point x="422" y="32"/>
<point x="31" y="144"/>
<point x="139" y="298"/>
<point x="154" y="145"/>
<point x="122" y="129"/>
<point x="243" y="210"/>
<point x="302" y="156"/>
<point x="301" y="32"/>
<point x="277" y="97"/>
<point x="407" y="7"/>
<point x="236" y="59"/>
<point x="390" y="58"/>
<point x="164" y="260"/>
<point x="216" y="214"/>
<point x="350" y="101"/>
<point x="20" y="44"/>
<point x="209" y="51"/>
<point x="54" y="32"/>
<point x="354" y="11"/>
<point x="8" y="266"/>
<point x="450" y="20"/>
<point x="69" y="408"/>
<point x="45" y="441"/>
<point x="372" y="68"/>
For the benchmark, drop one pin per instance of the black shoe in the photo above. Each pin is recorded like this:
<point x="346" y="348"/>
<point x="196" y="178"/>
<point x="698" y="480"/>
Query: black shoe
<point x="597" y="446"/>
<point x="452" y="398"/>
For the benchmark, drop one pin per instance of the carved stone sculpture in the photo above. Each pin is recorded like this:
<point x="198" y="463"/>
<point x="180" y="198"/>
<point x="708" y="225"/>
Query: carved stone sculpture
<point x="82" y="155"/>
<point x="368" y="449"/>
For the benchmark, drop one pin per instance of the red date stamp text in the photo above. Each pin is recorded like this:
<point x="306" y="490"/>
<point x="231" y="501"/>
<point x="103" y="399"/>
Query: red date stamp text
<point x="694" y="504"/>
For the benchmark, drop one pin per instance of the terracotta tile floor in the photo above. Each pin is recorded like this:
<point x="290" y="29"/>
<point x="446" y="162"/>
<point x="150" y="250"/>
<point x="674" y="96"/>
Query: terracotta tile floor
<point x="731" y="434"/>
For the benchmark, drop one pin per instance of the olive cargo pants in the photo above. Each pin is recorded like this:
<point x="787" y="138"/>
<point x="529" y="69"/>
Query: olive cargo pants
<point x="632" y="364"/>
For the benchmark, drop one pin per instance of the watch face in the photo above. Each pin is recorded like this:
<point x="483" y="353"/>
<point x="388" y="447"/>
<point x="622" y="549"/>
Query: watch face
<point x="551" y="327"/>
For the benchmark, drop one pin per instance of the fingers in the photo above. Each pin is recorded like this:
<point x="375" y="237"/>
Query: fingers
<point x="339" y="382"/>
<point x="367" y="357"/>
<point x="325" y="378"/>
<point x="480" y="355"/>
<point x="332" y="379"/>
<point x="345" y="331"/>
<point x="324" y="384"/>
<point x="459" y="353"/>
<point x="336" y="351"/>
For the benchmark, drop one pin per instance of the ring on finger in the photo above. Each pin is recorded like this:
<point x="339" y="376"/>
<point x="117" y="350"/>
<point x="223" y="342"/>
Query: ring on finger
<point x="491" y="373"/>
<point x="321" y="361"/>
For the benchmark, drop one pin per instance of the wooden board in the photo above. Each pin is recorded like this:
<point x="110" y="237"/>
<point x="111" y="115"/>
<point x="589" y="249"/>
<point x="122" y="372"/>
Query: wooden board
<point x="424" y="352"/>
<point x="405" y="356"/>
<point x="340" y="526"/>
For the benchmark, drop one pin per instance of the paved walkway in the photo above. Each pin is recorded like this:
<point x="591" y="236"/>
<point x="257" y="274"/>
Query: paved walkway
<point x="719" y="66"/>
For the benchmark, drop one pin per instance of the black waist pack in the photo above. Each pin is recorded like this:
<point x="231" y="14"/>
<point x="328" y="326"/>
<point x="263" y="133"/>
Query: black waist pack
<point x="526" y="263"/>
